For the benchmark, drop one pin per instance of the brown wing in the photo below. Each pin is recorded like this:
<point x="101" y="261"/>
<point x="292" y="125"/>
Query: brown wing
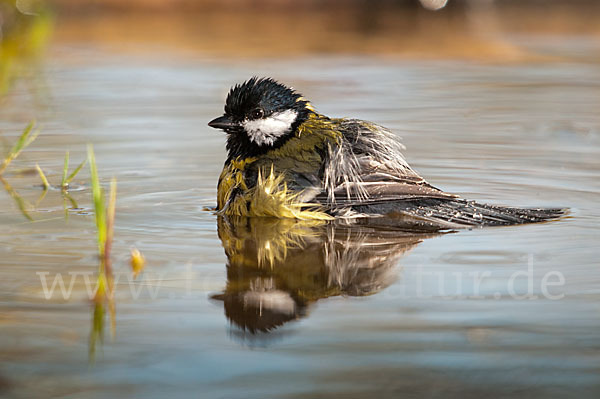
<point x="367" y="174"/>
<point x="380" y="183"/>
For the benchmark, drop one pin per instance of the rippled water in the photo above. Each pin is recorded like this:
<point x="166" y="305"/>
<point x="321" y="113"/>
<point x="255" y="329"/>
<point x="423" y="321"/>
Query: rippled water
<point x="345" y="312"/>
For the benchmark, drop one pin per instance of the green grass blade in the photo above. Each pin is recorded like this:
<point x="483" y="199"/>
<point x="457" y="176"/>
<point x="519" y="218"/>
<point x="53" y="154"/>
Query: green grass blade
<point x="31" y="138"/>
<point x="63" y="181"/>
<point x="98" y="200"/>
<point x="110" y="214"/>
<point x="42" y="176"/>
<point x="24" y="140"/>
<point x="21" y="142"/>
<point x="75" y="172"/>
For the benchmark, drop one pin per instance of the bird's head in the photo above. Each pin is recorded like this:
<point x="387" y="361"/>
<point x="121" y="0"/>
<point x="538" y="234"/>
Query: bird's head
<point x="260" y="114"/>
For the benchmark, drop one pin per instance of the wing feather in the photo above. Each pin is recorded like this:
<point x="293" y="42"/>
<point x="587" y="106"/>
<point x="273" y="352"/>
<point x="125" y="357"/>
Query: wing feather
<point x="368" y="167"/>
<point x="367" y="175"/>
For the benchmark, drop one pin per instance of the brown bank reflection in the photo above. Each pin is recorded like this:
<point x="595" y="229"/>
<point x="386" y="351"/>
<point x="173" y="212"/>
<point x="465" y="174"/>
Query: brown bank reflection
<point x="277" y="268"/>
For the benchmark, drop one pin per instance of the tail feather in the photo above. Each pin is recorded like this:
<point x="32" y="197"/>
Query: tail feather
<point x="469" y="213"/>
<point x="456" y="213"/>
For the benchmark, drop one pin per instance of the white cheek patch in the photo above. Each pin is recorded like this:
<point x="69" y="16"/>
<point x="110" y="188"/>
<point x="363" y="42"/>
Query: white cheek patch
<point x="268" y="130"/>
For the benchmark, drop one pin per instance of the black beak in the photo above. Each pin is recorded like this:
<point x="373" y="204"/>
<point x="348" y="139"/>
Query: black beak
<point x="223" y="122"/>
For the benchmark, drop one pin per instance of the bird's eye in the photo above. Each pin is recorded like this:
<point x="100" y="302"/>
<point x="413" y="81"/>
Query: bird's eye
<point x="257" y="114"/>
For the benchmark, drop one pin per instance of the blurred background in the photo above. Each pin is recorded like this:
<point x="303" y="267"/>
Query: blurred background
<point x="496" y="100"/>
<point x="496" y="30"/>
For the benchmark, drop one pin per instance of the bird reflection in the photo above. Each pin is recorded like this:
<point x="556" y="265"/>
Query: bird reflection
<point x="277" y="268"/>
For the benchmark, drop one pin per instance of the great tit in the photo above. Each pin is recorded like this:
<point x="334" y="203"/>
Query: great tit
<point x="286" y="160"/>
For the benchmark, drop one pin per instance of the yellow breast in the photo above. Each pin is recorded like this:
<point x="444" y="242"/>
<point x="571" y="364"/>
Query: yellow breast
<point x="270" y="196"/>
